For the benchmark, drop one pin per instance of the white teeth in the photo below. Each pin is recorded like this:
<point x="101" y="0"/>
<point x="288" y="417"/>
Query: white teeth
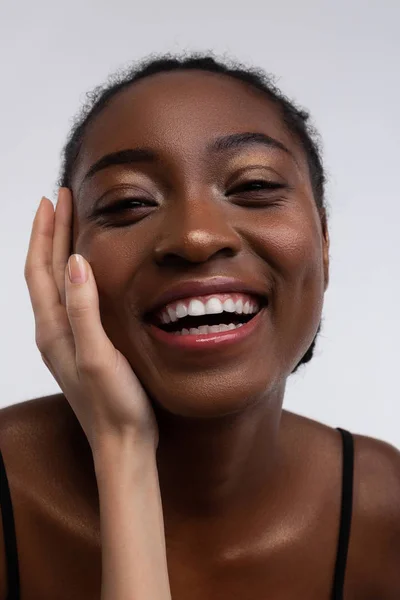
<point x="213" y="306"/>
<point x="207" y="329"/>
<point x="250" y="307"/>
<point x="196" y="307"/>
<point x="229" y="305"/>
<point x="239" y="306"/>
<point x="172" y="315"/>
<point x="181" y="310"/>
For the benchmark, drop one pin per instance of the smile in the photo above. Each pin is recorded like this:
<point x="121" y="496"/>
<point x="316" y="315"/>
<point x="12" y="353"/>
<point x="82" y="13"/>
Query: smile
<point x="207" y="321"/>
<point x="207" y="314"/>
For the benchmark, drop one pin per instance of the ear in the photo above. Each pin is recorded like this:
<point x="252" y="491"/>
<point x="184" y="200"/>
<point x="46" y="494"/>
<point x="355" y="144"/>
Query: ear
<point x="325" y="248"/>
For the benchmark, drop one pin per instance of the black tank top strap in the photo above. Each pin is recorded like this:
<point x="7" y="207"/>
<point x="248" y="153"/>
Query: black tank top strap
<point x="346" y="513"/>
<point x="10" y="540"/>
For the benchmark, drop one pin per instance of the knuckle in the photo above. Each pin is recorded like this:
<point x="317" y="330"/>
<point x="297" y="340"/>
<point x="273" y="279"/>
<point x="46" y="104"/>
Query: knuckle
<point x="89" y="365"/>
<point x="93" y="361"/>
<point x="45" y="360"/>
<point x="44" y="344"/>
<point x="28" y="272"/>
<point x="78" y="311"/>
<point x="31" y="269"/>
<point x="46" y="339"/>
<point x="42" y="340"/>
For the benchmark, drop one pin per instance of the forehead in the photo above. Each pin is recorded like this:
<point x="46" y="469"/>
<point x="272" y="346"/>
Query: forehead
<point x="181" y="112"/>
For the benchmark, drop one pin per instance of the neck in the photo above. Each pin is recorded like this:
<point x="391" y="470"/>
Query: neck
<point x="219" y="469"/>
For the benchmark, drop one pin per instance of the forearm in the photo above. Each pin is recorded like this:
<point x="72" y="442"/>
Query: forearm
<point x="134" y="564"/>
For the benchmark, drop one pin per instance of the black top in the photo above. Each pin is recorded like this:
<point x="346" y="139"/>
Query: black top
<point x="343" y="542"/>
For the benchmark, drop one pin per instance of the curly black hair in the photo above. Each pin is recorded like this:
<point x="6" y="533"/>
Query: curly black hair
<point x="296" y="119"/>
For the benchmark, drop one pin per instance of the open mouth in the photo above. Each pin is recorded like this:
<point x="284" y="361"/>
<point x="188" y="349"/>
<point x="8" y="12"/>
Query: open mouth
<point x="206" y="323"/>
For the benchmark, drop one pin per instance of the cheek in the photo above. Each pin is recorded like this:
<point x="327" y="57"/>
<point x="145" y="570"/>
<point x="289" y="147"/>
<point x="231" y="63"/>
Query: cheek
<point x="288" y="238"/>
<point x="115" y="260"/>
<point x="291" y="248"/>
<point x="289" y="243"/>
<point x="114" y="254"/>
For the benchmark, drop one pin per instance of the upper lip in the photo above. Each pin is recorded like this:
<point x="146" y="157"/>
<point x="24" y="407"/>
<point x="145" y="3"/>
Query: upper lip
<point x="202" y="287"/>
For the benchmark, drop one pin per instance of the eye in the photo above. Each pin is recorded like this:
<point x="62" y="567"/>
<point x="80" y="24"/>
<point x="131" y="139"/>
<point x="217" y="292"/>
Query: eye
<point x="256" y="185"/>
<point x="259" y="193"/>
<point x="137" y="206"/>
<point x="127" y="204"/>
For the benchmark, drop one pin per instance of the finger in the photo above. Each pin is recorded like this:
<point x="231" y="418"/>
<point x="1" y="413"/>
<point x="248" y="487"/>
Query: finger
<point x="62" y="239"/>
<point x="94" y="349"/>
<point x="38" y="265"/>
<point x="53" y="332"/>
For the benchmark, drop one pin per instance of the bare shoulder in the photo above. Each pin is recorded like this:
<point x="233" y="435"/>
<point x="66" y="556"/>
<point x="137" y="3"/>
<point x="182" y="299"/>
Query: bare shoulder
<point x="32" y="418"/>
<point x="22" y="435"/>
<point x="374" y="553"/>
<point x="47" y="459"/>
<point x="373" y="563"/>
<point x="377" y="468"/>
<point x="39" y="439"/>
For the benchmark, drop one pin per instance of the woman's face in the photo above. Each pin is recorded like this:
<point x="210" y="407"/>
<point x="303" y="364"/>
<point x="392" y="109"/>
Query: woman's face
<point x="198" y="216"/>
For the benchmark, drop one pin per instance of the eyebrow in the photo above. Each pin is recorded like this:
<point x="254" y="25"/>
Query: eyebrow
<point x="122" y="157"/>
<point x="228" y="142"/>
<point x="239" y="140"/>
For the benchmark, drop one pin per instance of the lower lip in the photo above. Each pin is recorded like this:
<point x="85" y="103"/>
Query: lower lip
<point x="207" y="340"/>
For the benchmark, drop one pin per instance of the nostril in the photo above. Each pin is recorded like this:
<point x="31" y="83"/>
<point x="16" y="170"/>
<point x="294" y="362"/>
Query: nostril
<point x="190" y="249"/>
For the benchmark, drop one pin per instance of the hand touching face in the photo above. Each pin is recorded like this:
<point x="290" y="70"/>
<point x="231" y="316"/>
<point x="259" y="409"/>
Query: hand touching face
<point x="165" y="192"/>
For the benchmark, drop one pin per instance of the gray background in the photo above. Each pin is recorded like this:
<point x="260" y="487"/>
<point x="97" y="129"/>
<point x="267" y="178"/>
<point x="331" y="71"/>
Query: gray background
<point x="339" y="59"/>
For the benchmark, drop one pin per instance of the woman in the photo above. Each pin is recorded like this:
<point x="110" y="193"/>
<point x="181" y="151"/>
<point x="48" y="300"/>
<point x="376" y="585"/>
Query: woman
<point x="193" y="192"/>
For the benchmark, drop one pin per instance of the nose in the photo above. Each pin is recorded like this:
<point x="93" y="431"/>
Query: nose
<point x="196" y="229"/>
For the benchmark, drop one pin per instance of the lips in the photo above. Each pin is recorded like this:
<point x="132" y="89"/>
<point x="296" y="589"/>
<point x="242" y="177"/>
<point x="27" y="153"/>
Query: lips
<point x="211" y="345"/>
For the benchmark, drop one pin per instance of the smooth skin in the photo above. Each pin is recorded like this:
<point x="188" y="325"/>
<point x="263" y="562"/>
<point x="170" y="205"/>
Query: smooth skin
<point x="250" y="492"/>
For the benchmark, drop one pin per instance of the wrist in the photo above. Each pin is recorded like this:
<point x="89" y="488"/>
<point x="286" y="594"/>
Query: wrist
<point x="123" y="455"/>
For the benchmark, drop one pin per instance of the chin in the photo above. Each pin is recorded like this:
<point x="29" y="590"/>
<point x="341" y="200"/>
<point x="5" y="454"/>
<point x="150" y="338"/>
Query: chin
<point x="209" y="400"/>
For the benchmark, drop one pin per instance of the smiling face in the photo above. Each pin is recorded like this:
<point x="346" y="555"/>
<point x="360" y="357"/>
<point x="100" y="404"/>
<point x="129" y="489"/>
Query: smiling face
<point x="198" y="199"/>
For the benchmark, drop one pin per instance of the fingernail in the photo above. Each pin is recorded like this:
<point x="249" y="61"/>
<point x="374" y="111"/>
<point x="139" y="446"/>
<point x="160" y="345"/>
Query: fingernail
<point x="77" y="269"/>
